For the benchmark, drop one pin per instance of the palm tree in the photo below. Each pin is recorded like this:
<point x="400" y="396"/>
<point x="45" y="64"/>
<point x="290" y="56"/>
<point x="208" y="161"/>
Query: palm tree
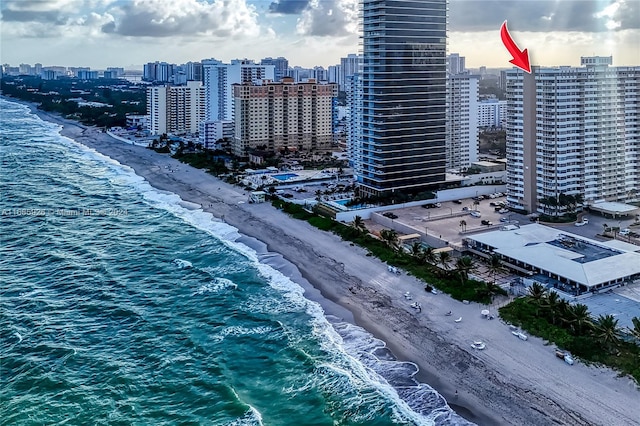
<point x="635" y="331"/>
<point x="605" y="228"/>
<point x="579" y="318"/>
<point x="463" y="225"/>
<point x="390" y="237"/>
<point x="537" y="294"/>
<point x="464" y="265"/>
<point x="444" y="257"/>
<point x="495" y="266"/>
<point x="428" y="255"/>
<point x="476" y="203"/>
<point x="551" y="305"/>
<point x="416" y="249"/>
<point x="606" y="331"/>
<point x="358" y="223"/>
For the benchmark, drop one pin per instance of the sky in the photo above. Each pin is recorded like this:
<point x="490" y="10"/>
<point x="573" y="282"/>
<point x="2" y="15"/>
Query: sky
<point x="129" y="33"/>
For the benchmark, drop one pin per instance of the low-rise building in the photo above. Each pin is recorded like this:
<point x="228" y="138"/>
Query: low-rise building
<point x="573" y="263"/>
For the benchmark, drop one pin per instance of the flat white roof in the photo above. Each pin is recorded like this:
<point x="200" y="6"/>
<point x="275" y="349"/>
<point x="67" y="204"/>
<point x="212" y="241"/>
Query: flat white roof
<point x="539" y="246"/>
<point x="613" y="207"/>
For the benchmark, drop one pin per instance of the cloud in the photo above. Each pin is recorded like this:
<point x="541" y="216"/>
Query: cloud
<point x="544" y="15"/>
<point x="339" y="17"/>
<point x="168" y="18"/>
<point x="288" y="7"/>
<point x="329" y="18"/>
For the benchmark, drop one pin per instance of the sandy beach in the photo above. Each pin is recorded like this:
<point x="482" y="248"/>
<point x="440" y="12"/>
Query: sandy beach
<point x="510" y="382"/>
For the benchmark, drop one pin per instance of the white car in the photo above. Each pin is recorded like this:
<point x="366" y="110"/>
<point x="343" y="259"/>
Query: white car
<point x="475" y="214"/>
<point x="624" y="232"/>
<point x="583" y="223"/>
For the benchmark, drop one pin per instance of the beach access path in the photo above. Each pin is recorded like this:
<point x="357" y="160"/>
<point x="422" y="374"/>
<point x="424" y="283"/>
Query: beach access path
<point x="510" y="382"/>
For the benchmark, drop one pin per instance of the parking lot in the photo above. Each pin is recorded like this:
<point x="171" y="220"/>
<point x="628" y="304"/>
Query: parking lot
<point x="444" y="222"/>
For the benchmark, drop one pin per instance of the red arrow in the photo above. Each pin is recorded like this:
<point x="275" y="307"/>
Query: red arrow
<point x="520" y="58"/>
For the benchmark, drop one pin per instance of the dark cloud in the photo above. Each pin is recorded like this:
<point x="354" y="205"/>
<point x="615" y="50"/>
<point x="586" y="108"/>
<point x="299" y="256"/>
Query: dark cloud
<point x="541" y="15"/>
<point x="288" y="7"/>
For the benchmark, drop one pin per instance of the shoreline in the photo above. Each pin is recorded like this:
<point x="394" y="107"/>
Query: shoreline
<point x="511" y="382"/>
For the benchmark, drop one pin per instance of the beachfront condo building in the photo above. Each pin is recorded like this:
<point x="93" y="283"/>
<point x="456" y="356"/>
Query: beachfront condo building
<point x="274" y="116"/>
<point x="175" y="109"/>
<point x="573" y="131"/>
<point x="462" y="121"/>
<point x="404" y="79"/>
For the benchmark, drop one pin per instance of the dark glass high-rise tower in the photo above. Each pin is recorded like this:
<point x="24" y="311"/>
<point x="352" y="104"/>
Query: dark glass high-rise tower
<point x="403" y="95"/>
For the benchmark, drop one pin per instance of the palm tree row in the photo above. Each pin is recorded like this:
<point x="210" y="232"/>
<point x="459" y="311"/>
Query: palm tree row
<point x="577" y="319"/>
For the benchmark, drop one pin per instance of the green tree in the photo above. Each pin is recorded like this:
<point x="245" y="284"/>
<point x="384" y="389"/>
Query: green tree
<point x="416" y="249"/>
<point x="464" y="265"/>
<point x="537" y="295"/>
<point x="635" y="331"/>
<point x="579" y="319"/>
<point x="390" y="237"/>
<point x="495" y="266"/>
<point x="607" y="332"/>
<point x="358" y="223"/>
<point x="463" y="225"/>
<point x="429" y="255"/>
<point x="444" y="257"/>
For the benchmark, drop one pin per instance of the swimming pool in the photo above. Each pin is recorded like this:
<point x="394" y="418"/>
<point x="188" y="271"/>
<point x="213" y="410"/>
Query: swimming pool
<point x="284" y="176"/>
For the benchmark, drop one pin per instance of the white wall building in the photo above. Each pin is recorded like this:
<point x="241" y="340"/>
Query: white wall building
<point x="492" y="113"/>
<point x="462" y="121"/>
<point x="175" y="109"/>
<point x="349" y="66"/>
<point x="573" y="131"/>
<point x="219" y="79"/>
<point x="213" y="131"/>
<point x="455" y="64"/>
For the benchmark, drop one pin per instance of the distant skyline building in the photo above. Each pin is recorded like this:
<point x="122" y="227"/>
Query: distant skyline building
<point x="573" y="131"/>
<point x="349" y="66"/>
<point x="462" y="121"/>
<point x="455" y="64"/>
<point x="175" y="109"/>
<point x="404" y="81"/>
<point x="273" y="116"/>
<point x="492" y="113"/>
<point x="219" y="79"/>
<point x="281" y="66"/>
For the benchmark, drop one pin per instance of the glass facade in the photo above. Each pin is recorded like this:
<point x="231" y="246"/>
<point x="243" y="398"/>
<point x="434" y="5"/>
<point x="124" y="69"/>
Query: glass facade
<point x="403" y="94"/>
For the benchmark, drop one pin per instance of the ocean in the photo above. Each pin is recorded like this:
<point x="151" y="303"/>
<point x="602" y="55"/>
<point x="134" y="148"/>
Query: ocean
<point x="122" y="304"/>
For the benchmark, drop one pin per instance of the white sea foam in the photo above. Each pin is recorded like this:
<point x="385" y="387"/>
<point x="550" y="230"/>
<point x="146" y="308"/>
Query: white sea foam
<point x="347" y="361"/>
<point x="182" y="264"/>
<point x="216" y="286"/>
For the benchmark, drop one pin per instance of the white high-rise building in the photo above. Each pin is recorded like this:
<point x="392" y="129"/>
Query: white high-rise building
<point x="219" y="79"/>
<point x="333" y="74"/>
<point x="573" y="131"/>
<point x="354" y="120"/>
<point x="175" y="109"/>
<point x="492" y="113"/>
<point x="349" y="66"/>
<point x="455" y="64"/>
<point x="462" y="121"/>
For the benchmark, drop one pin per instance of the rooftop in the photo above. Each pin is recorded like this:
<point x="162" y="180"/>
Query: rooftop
<point x="576" y="258"/>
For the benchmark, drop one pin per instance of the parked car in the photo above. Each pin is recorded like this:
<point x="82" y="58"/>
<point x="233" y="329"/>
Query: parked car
<point x="583" y="222"/>
<point x="475" y="214"/>
<point x="503" y="210"/>
<point x="504" y="219"/>
<point x="486" y="222"/>
<point x="464" y="209"/>
<point x="457" y="201"/>
<point x="624" y="232"/>
<point x="390" y="215"/>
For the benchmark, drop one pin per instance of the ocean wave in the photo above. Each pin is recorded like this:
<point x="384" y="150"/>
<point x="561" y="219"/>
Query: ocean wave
<point x="216" y="286"/>
<point x="353" y="371"/>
